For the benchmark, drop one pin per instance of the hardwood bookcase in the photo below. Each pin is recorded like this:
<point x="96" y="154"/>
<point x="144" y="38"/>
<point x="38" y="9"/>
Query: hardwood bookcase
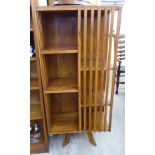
<point x="37" y="111"/>
<point x="75" y="46"/>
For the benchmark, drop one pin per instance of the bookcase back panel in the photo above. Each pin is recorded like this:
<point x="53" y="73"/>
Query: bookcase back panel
<point x="35" y="97"/>
<point x="33" y="70"/>
<point x="62" y="65"/>
<point x="63" y="103"/>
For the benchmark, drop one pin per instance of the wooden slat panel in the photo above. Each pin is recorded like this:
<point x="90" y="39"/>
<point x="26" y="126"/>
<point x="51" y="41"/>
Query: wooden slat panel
<point x="79" y="66"/>
<point x="115" y="60"/>
<point x="84" y="65"/>
<point x="91" y="66"/>
<point x="108" y="71"/>
<point x="97" y="62"/>
<point x="102" y="60"/>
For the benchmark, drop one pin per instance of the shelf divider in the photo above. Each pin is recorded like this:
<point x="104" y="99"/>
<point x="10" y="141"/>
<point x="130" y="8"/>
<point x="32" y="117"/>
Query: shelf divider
<point x="59" y="50"/>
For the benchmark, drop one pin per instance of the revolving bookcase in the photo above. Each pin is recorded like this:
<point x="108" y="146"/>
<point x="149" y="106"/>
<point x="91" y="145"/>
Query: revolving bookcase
<point x="78" y="66"/>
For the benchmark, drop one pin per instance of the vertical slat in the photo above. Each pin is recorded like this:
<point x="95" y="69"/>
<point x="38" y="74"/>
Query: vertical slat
<point x="108" y="70"/>
<point x="79" y="66"/>
<point x="114" y="65"/>
<point x="84" y="65"/>
<point x="105" y="93"/>
<point x="91" y="66"/>
<point x="97" y="62"/>
<point x="102" y="66"/>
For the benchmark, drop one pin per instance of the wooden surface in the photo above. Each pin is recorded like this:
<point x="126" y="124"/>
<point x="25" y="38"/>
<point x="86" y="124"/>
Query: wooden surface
<point x="34" y="84"/>
<point x="61" y="85"/>
<point x="37" y="111"/>
<point x="74" y="46"/>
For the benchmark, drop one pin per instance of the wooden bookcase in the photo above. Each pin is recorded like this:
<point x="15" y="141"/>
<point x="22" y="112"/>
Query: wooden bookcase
<point x="37" y="111"/>
<point x="75" y="46"/>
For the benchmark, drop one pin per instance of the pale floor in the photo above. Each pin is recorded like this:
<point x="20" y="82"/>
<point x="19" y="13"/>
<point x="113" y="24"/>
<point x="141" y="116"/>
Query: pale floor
<point x="108" y="143"/>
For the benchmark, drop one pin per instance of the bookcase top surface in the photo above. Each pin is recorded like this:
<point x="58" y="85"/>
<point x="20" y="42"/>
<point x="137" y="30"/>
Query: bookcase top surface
<point x="77" y="7"/>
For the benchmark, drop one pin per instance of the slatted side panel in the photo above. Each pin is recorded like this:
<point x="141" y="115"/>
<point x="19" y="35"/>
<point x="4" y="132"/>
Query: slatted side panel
<point x="95" y="41"/>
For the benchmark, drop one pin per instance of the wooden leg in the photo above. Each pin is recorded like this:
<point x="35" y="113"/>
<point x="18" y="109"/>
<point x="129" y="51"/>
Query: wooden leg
<point x="91" y="138"/>
<point x="66" y="140"/>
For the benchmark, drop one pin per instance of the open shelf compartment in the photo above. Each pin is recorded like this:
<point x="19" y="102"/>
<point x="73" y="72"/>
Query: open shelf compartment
<point x="61" y="73"/>
<point x="63" y="113"/>
<point x="35" y="105"/>
<point x="34" y="84"/>
<point x="58" y="31"/>
<point x="40" y="146"/>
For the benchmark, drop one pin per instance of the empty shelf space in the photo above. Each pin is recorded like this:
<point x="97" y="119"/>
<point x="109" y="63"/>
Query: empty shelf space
<point x="35" y="111"/>
<point x="62" y="85"/>
<point x="59" y="50"/>
<point x="34" y="84"/>
<point x="64" y="123"/>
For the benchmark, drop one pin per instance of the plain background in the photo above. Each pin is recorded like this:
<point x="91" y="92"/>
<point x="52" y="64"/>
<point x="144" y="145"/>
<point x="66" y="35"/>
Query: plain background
<point x="140" y="77"/>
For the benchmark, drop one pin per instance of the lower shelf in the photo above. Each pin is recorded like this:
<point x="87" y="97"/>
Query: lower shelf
<point x="35" y="111"/>
<point x="64" y="123"/>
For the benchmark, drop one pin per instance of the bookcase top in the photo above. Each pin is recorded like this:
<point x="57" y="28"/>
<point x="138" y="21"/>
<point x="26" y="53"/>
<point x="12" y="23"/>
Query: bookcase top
<point x="77" y="7"/>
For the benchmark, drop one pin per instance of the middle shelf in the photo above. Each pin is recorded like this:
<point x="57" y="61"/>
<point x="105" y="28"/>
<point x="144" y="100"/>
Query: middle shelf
<point x="61" y="85"/>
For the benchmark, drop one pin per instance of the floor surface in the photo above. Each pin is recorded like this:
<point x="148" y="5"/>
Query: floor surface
<point x="108" y="143"/>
